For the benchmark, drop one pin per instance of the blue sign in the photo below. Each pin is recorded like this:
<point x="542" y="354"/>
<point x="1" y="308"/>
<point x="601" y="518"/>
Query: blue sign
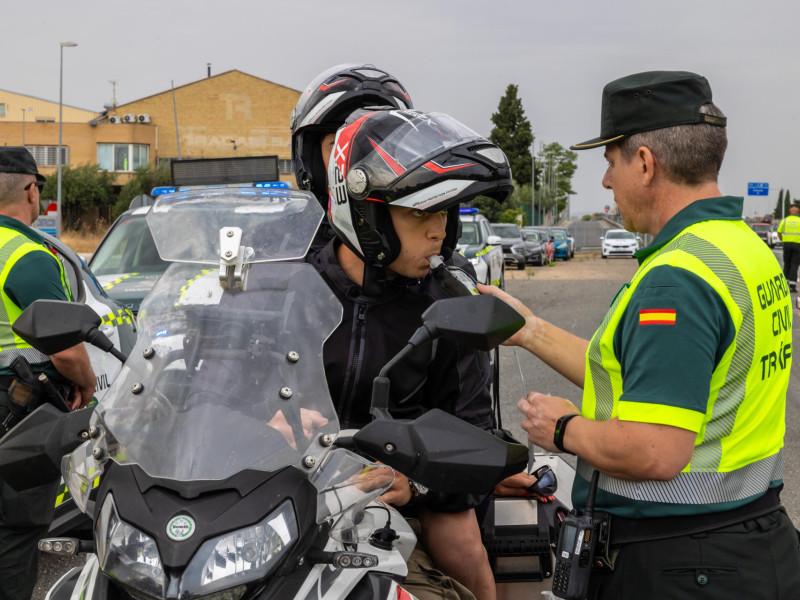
<point x="757" y="189"/>
<point x="46" y="224"/>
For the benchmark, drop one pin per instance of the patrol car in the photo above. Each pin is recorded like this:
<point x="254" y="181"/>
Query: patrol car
<point x="481" y="247"/>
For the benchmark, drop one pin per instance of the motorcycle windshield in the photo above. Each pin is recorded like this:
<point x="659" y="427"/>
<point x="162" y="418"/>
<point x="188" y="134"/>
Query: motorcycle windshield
<point x="276" y="225"/>
<point x="226" y="380"/>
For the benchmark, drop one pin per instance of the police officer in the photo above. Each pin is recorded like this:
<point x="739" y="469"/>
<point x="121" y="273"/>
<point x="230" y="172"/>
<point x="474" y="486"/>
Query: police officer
<point x="684" y="383"/>
<point x="28" y="271"/>
<point x="789" y="232"/>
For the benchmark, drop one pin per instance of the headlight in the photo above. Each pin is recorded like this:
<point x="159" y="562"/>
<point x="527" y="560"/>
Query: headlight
<point x="518" y="248"/>
<point x="126" y="554"/>
<point x="475" y="260"/>
<point x="245" y="555"/>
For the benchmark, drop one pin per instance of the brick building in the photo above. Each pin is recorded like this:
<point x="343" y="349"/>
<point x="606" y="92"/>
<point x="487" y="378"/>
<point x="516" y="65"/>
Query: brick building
<point x="229" y="114"/>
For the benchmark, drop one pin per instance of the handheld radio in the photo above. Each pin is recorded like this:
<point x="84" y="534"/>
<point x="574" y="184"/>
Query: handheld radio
<point x="580" y="538"/>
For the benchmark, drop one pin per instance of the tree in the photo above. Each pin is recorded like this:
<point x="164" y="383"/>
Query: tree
<point x="512" y="133"/>
<point x="785" y="201"/>
<point x="558" y="165"/>
<point x="82" y="188"/>
<point x="143" y="181"/>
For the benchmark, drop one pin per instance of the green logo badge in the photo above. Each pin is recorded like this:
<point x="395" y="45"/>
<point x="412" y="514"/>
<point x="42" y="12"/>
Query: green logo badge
<point x="180" y="528"/>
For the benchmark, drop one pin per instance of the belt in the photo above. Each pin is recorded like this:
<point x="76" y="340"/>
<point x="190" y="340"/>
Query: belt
<point x="629" y="531"/>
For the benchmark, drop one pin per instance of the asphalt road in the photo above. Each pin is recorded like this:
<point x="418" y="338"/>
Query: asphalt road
<point x="577" y="304"/>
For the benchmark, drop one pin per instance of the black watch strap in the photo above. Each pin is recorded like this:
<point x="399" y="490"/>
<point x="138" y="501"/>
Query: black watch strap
<point x="561" y="429"/>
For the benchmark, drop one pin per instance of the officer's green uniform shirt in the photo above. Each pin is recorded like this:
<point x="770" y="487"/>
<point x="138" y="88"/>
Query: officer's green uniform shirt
<point x="790" y="229"/>
<point x="670" y="344"/>
<point x="35" y="275"/>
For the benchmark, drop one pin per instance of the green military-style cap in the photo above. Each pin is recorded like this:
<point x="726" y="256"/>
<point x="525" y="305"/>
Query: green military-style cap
<point x="651" y="100"/>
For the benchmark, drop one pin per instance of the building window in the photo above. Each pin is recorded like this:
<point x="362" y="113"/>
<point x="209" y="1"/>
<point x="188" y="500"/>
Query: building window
<point x="122" y="157"/>
<point x="2" y="110"/>
<point x="47" y="156"/>
<point x="45" y="120"/>
<point x="285" y="166"/>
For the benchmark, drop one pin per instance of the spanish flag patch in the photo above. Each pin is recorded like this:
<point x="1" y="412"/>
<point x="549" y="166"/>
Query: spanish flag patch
<point x="657" y="316"/>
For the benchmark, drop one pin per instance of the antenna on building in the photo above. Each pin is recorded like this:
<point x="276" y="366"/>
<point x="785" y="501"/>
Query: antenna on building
<point x="208" y="68"/>
<point x="113" y="83"/>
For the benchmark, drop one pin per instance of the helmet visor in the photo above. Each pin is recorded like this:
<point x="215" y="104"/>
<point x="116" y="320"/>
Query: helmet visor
<point x="397" y="143"/>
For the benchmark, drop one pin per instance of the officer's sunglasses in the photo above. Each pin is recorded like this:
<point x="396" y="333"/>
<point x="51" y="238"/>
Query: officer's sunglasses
<point x="546" y="483"/>
<point x="38" y="184"/>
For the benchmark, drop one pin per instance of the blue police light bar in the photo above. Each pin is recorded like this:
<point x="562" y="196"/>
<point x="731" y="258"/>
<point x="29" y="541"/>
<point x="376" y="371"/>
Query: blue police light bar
<point x="273" y="185"/>
<point x="468" y="211"/>
<point x="283" y="185"/>
<point x="157" y="191"/>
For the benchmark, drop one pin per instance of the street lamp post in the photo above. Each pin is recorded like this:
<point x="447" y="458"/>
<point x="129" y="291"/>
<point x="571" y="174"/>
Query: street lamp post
<point x="60" y="110"/>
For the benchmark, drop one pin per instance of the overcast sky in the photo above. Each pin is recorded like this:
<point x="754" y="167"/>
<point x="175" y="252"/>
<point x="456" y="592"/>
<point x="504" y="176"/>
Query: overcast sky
<point x="455" y="57"/>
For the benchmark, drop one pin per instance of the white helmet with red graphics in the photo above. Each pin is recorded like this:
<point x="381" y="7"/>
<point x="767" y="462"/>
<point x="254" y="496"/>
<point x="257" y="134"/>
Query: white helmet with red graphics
<point x="426" y="161"/>
<point x="325" y="105"/>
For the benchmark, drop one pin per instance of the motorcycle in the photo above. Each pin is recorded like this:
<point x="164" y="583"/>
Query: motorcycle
<point x="223" y="472"/>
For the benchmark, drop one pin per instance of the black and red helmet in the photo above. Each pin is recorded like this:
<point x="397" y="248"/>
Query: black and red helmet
<point x="325" y="105"/>
<point x="426" y="161"/>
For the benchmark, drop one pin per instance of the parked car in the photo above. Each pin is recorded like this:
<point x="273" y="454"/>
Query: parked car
<point x="539" y="253"/>
<point x="764" y="231"/>
<point x="618" y="242"/>
<point x="774" y="237"/>
<point x="516" y="250"/>
<point x="126" y="262"/>
<point x="548" y="239"/>
<point x="481" y="247"/>
<point x="561" y="242"/>
<point x="570" y="240"/>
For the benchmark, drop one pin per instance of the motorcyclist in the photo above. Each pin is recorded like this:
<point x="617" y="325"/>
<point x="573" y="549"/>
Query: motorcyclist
<point x="396" y="180"/>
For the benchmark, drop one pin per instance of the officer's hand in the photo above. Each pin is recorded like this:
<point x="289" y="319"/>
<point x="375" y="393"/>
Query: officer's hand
<point x="81" y="396"/>
<point x="541" y="413"/>
<point x="400" y="492"/>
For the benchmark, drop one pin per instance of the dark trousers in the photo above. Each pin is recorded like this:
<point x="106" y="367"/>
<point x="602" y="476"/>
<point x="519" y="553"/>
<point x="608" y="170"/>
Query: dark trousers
<point x="758" y="558"/>
<point x="791" y="261"/>
<point x="24" y="519"/>
<point x="19" y="561"/>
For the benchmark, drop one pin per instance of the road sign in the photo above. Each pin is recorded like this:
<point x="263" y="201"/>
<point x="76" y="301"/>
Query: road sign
<point x="757" y="189"/>
<point x="46" y="224"/>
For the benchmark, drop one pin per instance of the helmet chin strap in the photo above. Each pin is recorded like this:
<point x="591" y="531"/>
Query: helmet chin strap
<point x="374" y="280"/>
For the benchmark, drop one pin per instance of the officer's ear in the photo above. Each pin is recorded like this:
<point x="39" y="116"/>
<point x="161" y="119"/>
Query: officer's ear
<point x="646" y="163"/>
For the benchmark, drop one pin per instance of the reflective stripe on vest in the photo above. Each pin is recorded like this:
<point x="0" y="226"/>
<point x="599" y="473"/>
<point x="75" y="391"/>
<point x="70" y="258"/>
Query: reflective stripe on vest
<point x="734" y="459"/>
<point x="790" y="229"/>
<point x="13" y="246"/>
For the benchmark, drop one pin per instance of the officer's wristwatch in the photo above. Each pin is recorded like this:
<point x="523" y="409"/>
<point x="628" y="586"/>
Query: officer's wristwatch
<point x="561" y="429"/>
<point x="417" y="489"/>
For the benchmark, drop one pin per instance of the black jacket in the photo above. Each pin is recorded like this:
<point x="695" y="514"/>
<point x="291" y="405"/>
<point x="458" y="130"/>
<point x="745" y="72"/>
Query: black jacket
<point x="440" y="375"/>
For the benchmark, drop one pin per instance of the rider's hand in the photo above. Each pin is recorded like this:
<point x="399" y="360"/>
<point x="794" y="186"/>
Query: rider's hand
<point x="400" y="492"/>
<point x="516" y="485"/>
<point x="311" y="420"/>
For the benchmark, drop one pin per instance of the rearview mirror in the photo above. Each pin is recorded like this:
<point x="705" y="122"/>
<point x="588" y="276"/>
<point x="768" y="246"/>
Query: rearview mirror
<point x="442" y="452"/>
<point x="52" y="326"/>
<point x="480" y="322"/>
<point x="494" y="240"/>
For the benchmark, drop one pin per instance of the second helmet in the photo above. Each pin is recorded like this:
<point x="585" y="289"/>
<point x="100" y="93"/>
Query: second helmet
<point x="325" y="105"/>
